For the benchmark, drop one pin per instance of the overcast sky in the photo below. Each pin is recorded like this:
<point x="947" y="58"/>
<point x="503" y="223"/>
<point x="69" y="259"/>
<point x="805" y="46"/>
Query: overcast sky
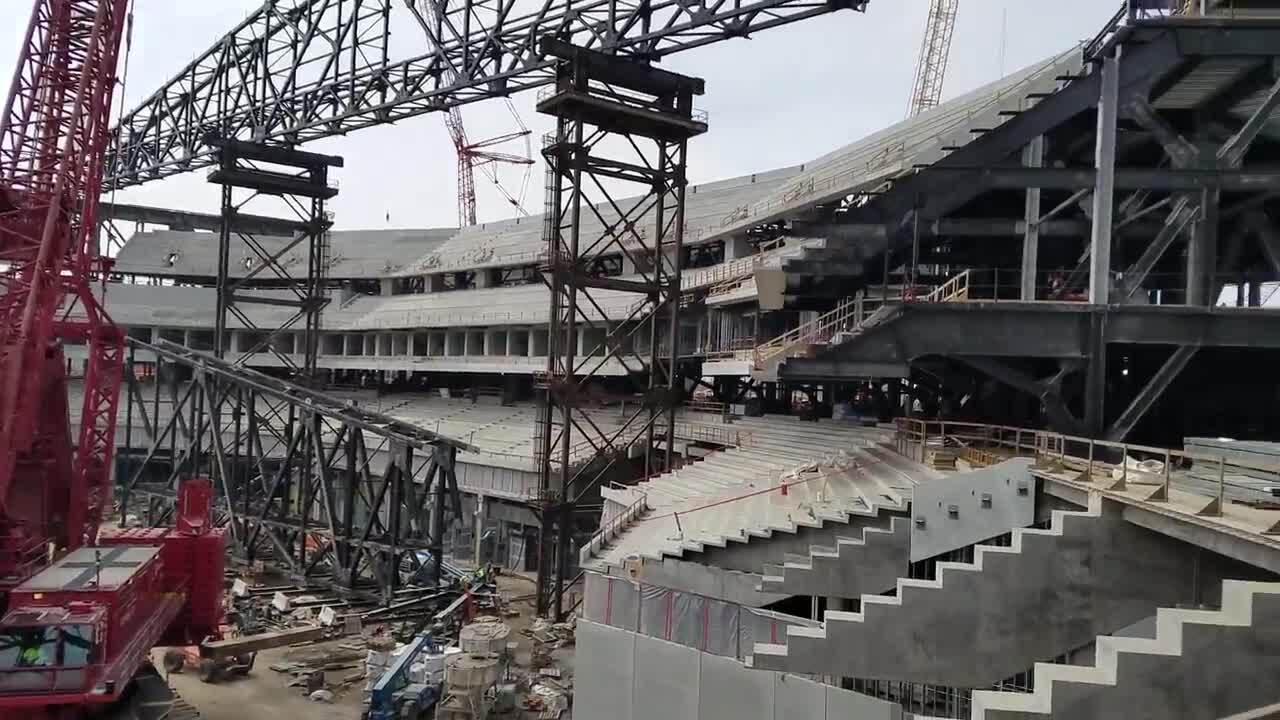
<point x="780" y="98"/>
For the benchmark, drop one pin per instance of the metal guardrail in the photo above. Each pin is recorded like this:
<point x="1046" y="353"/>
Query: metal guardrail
<point x="609" y="530"/>
<point x="1090" y="456"/>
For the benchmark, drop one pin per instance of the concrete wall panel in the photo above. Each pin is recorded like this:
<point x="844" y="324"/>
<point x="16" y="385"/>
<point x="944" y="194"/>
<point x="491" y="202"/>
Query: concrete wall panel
<point x="604" y="685"/>
<point x="845" y="705"/>
<point x="955" y="514"/>
<point x="796" y="697"/>
<point x="666" y="679"/>
<point x="731" y="692"/>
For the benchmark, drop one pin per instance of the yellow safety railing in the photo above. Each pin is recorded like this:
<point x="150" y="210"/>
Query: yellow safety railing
<point x="953" y="290"/>
<point x="846" y="317"/>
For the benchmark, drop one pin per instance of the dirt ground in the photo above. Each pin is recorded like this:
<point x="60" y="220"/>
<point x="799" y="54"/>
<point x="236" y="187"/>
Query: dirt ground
<point x="264" y="694"/>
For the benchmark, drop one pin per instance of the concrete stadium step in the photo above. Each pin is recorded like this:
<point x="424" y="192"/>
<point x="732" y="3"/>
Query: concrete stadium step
<point x="1050" y="591"/>
<point x="755" y="507"/>
<point x="1201" y="665"/>
<point x="867" y="565"/>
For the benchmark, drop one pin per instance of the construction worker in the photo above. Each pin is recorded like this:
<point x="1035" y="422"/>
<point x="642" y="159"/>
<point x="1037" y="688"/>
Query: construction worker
<point x="34" y="651"/>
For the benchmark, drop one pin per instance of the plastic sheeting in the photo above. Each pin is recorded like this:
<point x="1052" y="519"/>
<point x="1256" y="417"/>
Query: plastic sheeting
<point x="689" y="619"/>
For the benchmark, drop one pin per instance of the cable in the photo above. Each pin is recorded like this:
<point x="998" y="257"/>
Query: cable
<point x="726" y="501"/>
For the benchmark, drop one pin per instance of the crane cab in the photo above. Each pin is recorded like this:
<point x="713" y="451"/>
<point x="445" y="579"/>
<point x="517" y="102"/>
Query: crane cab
<point x="76" y="631"/>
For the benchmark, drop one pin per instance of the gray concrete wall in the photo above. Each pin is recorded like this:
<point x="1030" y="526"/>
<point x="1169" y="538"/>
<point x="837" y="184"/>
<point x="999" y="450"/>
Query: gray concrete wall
<point x="871" y="566"/>
<point x="970" y="507"/>
<point x="622" y="675"/>
<point x="1220" y="671"/>
<point x="753" y="555"/>
<point x="980" y="626"/>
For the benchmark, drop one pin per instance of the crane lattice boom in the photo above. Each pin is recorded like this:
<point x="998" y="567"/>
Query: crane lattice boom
<point x="53" y="134"/>
<point x="931" y="69"/>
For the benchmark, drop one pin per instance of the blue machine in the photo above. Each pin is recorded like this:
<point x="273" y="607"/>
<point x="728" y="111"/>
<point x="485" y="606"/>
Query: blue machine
<point x="393" y="696"/>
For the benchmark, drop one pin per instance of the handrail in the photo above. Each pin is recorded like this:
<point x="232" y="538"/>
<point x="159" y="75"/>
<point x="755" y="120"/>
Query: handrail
<point x="735" y="269"/>
<point x="609" y="530"/>
<point x="914" y="436"/>
<point x="954" y="289"/>
<point x="819" y="330"/>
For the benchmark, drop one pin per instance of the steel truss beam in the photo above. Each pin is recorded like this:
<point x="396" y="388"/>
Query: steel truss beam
<point x="311" y="483"/>
<point x="299" y="70"/>
<point x="621" y="127"/>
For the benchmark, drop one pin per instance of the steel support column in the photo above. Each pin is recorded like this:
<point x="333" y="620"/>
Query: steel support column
<point x="293" y="267"/>
<point x="1202" y="252"/>
<point x="621" y="126"/>
<point x="1104" y="186"/>
<point x="1032" y="156"/>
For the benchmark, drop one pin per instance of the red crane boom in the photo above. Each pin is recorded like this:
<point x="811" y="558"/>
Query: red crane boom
<point x="53" y="134"/>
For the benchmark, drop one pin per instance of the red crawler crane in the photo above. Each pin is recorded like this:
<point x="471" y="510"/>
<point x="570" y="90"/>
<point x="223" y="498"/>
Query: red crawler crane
<point x="78" y="620"/>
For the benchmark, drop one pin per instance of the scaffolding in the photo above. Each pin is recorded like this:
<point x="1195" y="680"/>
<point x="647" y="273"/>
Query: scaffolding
<point x="621" y="126"/>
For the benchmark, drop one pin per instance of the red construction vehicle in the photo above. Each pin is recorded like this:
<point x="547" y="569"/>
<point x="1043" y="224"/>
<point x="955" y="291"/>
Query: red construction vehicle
<point x="80" y="613"/>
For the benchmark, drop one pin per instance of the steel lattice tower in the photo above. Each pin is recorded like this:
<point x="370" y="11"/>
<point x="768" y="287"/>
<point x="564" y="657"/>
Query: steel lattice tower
<point x="621" y="126"/>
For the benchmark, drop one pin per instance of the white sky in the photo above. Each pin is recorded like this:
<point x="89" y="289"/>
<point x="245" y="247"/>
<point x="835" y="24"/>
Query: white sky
<point x="781" y="98"/>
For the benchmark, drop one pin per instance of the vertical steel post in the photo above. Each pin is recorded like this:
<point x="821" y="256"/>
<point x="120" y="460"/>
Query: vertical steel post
<point x="1104" y="187"/>
<point x="1032" y="156"/>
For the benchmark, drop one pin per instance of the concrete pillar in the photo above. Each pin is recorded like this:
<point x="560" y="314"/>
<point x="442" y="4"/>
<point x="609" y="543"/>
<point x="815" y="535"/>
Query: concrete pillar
<point x="1202" y="252"/>
<point x="1104" y="187"/>
<point x="432" y="283"/>
<point x="388" y="286"/>
<point x="1032" y="156"/>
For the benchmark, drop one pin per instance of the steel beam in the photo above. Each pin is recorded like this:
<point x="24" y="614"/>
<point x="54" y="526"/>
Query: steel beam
<point x="300" y="70"/>
<point x="1047" y="392"/>
<point x="1011" y="177"/>
<point x="1183" y="213"/>
<point x="296" y="484"/>
<point x="1104" y="182"/>
<point x="1032" y="156"/>
<point x="1151" y="392"/>
<point x="1202" y="252"/>
<point x="1232" y="152"/>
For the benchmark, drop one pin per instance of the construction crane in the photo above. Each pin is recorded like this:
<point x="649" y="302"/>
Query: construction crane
<point x="80" y="612"/>
<point x="935" y="48"/>
<point x="483" y="155"/>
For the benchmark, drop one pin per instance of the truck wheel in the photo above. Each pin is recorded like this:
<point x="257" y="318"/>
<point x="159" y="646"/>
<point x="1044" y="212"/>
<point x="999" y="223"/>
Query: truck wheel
<point x="207" y="671"/>
<point x="174" y="660"/>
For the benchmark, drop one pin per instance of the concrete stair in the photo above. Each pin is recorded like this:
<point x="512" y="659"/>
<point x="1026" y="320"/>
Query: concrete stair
<point x="835" y="474"/>
<point x="1200" y="665"/>
<point x="1051" y="590"/>
<point x="870" y="564"/>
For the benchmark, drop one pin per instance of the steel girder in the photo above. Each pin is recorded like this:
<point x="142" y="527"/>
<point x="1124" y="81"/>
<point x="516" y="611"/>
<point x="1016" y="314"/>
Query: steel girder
<point x="298" y="70"/>
<point x="304" y="480"/>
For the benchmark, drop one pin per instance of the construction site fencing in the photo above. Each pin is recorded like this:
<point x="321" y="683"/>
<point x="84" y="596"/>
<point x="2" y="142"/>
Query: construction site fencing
<point x="697" y="621"/>
<point x="1218" y="477"/>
